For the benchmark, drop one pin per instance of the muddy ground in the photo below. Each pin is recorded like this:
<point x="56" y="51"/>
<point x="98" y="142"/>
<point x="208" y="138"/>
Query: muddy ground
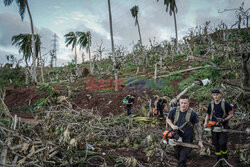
<point x="106" y="104"/>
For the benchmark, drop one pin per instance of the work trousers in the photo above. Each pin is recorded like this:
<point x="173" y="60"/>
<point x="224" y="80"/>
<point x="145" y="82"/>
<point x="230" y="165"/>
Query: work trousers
<point x="160" y="111"/>
<point x="219" y="140"/>
<point x="128" y="110"/>
<point x="182" y="153"/>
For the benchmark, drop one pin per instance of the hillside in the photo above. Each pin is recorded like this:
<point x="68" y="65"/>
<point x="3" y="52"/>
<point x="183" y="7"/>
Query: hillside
<point x="81" y="119"/>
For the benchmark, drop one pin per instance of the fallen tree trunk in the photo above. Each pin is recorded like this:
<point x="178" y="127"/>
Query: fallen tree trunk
<point x="4" y="152"/>
<point x="189" y="87"/>
<point x="235" y="84"/>
<point x="186" y="70"/>
<point x="203" y="60"/>
<point x="209" y="62"/>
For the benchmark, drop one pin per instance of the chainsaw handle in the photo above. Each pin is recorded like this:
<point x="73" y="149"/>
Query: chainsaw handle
<point x="180" y="130"/>
<point x="177" y="129"/>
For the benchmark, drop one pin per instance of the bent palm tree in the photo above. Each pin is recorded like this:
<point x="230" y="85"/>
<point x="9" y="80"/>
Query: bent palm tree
<point x="23" y="4"/>
<point x="172" y="8"/>
<point x="85" y="42"/>
<point x="71" y="39"/>
<point x="23" y="41"/>
<point x="134" y="11"/>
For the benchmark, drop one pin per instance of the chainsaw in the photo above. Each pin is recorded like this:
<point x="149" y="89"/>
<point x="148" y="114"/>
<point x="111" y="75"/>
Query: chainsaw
<point x="173" y="139"/>
<point x="216" y="126"/>
<point x="155" y="111"/>
<point x="170" y="137"/>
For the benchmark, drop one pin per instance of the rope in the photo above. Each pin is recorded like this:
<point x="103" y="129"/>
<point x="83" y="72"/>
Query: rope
<point x="223" y="159"/>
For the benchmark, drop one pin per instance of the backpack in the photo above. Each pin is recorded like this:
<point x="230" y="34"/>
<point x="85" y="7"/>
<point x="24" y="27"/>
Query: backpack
<point x="188" y="116"/>
<point x="125" y="99"/>
<point x="222" y="107"/>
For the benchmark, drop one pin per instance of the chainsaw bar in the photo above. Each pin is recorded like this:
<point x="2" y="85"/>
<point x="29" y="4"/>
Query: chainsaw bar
<point x="173" y="142"/>
<point x="229" y="131"/>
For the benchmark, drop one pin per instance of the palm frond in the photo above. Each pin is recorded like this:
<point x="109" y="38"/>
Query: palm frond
<point x="7" y="2"/>
<point x="23" y="41"/>
<point x="70" y="39"/>
<point x="134" y="11"/>
<point x="82" y="41"/>
<point x="22" y="7"/>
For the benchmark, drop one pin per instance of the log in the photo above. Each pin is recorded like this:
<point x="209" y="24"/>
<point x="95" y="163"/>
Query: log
<point x="14" y="161"/>
<point x="235" y="84"/>
<point x="186" y="70"/>
<point x="203" y="60"/>
<point x="4" y="152"/>
<point x="189" y="87"/>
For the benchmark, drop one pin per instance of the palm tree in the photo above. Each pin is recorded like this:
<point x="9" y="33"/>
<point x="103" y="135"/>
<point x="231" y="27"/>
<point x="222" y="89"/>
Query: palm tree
<point x="171" y="5"/>
<point x="71" y="39"/>
<point x="85" y="42"/>
<point x="88" y="35"/>
<point x="23" y="41"/>
<point x="23" y="4"/>
<point x="112" y="46"/>
<point x="134" y="11"/>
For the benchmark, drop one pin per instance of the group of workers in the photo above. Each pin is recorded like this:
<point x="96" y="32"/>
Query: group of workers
<point x="185" y="121"/>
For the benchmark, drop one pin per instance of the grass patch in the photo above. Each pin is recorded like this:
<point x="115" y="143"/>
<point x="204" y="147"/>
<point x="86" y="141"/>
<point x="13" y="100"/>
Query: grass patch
<point x="176" y="76"/>
<point x="167" y="88"/>
<point x="179" y="56"/>
<point x="185" y="83"/>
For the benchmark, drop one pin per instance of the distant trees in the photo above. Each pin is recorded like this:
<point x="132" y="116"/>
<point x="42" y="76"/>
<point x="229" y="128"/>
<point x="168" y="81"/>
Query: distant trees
<point x="83" y="39"/>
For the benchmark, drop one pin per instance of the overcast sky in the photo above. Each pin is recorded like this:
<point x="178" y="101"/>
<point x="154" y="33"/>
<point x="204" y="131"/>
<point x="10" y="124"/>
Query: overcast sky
<point x="63" y="16"/>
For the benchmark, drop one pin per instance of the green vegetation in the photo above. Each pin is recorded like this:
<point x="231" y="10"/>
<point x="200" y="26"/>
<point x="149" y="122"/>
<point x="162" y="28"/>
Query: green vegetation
<point x="11" y="75"/>
<point x="50" y="95"/>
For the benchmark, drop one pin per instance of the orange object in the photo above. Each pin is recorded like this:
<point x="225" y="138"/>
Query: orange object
<point x="155" y="111"/>
<point x="168" y="134"/>
<point x="211" y="124"/>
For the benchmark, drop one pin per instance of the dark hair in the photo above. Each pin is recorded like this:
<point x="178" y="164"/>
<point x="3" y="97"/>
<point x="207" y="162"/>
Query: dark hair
<point x="184" y="97"/>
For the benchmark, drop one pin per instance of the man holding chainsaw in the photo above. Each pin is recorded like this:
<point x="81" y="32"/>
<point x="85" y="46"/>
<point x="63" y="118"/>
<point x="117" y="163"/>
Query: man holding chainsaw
<point x="185" y="122"/>
<point x="160" y="106"/>
<point x="218" y="114"/>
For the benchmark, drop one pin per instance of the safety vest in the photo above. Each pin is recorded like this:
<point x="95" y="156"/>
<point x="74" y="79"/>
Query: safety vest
<point x="222" y="107"/>
<point x="188" y="117"/>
